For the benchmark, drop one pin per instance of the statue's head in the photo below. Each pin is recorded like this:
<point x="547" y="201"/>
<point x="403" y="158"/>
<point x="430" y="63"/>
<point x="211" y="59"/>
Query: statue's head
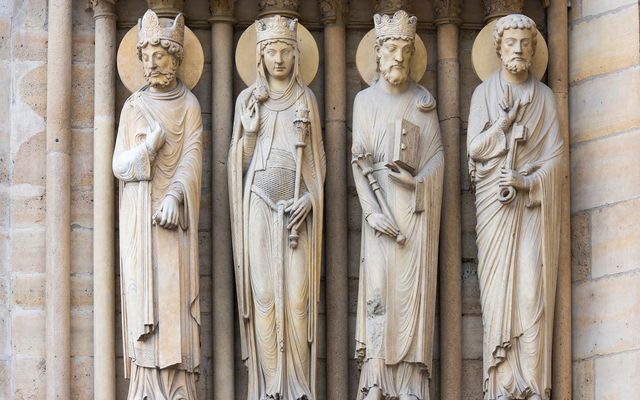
<point x="395" y="45"/>
<point x="160" y="48"/>
<point x="515" y="41"/>
<point x="277" y="47"/>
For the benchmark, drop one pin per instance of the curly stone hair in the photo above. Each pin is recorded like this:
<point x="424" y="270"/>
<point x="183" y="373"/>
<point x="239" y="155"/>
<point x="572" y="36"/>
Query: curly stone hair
<point x="172" y="48"/>
<point x="514" y="21"/>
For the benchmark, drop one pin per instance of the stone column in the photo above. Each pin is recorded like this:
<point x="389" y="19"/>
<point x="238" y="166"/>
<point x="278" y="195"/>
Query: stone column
<point x="448" y="22"/>
<point x="222" y="263"/>
<point x="557" y="20"/>
<point x="58" y="203"/>
<point x="335" y="139"/>
<point x="166" y="8"/>
<point x="286" y="8"/>
<point x="104" y="368"/>
<point x="495" y="9"/>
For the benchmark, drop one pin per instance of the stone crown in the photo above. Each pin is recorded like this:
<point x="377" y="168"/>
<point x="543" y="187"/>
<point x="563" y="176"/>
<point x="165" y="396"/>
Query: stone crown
<point x="151" y="29"/>
<point x="400" y="25"/>
<point x="276" y="28"/>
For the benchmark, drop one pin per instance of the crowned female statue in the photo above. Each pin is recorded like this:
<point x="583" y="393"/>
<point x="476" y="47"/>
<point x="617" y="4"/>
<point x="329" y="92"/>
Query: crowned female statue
<point x="158" y="161"/>
<point x="276" y="176"/>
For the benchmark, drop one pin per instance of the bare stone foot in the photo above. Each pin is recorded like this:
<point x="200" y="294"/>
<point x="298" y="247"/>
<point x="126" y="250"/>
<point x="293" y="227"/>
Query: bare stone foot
<point x="374" y="394"/>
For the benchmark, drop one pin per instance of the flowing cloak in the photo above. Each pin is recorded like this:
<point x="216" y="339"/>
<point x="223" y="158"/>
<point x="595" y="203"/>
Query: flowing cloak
<point x="159" y="268"/>
<point x="502" y="228"/>
<point x="241" y="170"/>
<point x="411" y="269"/>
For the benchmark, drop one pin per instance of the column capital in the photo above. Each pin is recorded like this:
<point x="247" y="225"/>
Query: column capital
<point x="222" y="10"/>
<point x="333" y="11"/>
<point x="103" y="8"/>
<point x="390" y="6"/>
<point x="166" y="8"/>
<point x="495" y="9"/>
<point x="286" y="8"/>
<point x="447" y="11"/>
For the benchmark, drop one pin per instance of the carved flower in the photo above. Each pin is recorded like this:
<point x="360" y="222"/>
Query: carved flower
<point x="260" y="93"/>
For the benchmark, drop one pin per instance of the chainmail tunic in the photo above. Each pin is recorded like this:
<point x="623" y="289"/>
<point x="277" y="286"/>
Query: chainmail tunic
<point x="276" y="182"/>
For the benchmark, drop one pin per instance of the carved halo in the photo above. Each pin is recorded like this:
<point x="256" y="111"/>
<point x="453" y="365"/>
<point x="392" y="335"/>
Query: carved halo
<point x="246" y="55"/>
<point x="367" y="63"/>
<point x="486" y="61"/>
<point x="130" y="67"/>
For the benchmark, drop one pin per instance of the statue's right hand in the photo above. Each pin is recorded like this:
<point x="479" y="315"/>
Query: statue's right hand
<point x="155" y="138"/>
<point x="250" y="115"/>
<point x="382" y="224"/>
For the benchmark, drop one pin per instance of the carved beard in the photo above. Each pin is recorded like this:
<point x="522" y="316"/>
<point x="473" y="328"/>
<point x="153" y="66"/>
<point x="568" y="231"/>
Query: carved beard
<point x="160" y="79"/>
<point x="394" y="74"/>
<point x="516" y="66"/>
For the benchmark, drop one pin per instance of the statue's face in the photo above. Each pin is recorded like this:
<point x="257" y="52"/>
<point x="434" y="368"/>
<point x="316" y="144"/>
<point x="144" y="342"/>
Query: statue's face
<point x="394" y="59"/>
<point x="516" y="49"/>
<point x="159" y="66"/>
<point x="278" y="59"/>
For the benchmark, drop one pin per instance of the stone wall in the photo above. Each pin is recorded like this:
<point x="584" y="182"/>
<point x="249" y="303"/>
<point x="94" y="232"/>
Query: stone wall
<point x="605" y="191"/>
<point x="605" y="186"/>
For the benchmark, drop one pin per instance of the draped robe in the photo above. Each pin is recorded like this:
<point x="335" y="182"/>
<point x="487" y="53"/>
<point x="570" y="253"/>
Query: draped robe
<point x="159" y="267"/>
<point x="277" y="287"/>
<point x="397" y="287"/>
<point x="518" y="243"/>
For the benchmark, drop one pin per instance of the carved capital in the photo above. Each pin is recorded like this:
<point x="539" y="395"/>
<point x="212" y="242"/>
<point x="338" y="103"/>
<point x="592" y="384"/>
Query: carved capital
<point x="103" y="8"/>
<point x="166" y="8"/>
<point x="221" y="10"/>
<point x="447" y="11"/>
<point x="499" y="8"/>
<point x="333" y="11"/>
<point x="288" y="8"/>
<point x="390" y="6"/>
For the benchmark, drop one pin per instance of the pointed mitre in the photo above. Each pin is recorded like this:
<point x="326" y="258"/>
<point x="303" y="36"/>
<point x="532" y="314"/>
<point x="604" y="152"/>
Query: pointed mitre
<point x="400" y="25"/>
<point x="151" y="29"/>
<point x="276" y="28"/>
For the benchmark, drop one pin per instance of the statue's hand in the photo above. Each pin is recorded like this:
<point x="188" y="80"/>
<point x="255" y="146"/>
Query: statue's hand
<point x="250" y="115"/>
<point x="167" y="216"/>
<point x="514" y="179"/>
<point x="381" y="223"/>
<point x="299" y="210"/>
<point x="155" y="138"/>
<point x="403" y="177"/>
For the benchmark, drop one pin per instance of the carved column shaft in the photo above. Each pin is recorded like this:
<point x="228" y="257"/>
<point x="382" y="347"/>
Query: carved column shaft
<point x="337" y="264"/>
<point x="222" y="261"/>
<point x="557" y="19"/>
<point x="58" y="203"/>
<point x="447" y="22"/>
<point x="104" y="387"/>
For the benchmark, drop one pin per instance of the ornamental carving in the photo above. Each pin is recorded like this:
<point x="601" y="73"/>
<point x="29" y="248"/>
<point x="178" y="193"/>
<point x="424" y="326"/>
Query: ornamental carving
<point x="278" y="6"/>
<point x="331" y="9"/>
<point x="166" y="8"/>
<point x="221" y="7"/>
<point x="447" y="8"/>
<point x="102" y="8"/>
<point x="500" y="8"/>
<point x="390" y="6"/>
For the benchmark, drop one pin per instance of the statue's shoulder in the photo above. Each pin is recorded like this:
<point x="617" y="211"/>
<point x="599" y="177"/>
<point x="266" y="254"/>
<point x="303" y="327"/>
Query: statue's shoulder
<point x="244" y="94"/>
<point x="424" y="100"/>
<point x="365" y="97"/>
<point x="191" y="101"/>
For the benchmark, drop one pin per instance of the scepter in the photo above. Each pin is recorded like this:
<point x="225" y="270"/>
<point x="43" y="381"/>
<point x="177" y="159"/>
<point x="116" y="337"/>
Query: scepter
<point x="362" y="159"/>
<point x="301" y="124"/>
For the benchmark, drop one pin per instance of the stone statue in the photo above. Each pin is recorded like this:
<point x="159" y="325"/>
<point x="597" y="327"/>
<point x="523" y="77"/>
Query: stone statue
<point x="276" y="176"/>
<point x="515" y="152"/>
<point x="158" y="160"/>
<point x="398" y="165"/>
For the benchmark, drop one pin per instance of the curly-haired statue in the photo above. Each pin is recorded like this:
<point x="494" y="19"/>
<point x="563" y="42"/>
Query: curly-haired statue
<point x="515" y="152"/>
<point x="158" y="161"/>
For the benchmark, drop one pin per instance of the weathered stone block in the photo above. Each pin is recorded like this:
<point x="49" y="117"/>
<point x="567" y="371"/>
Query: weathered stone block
<point x="28" y="206"/>
<point x="616" y="376"/>
<point x="581" y="246"/>
<point x="29" y="378"/>
<point x="30" y="44"/>
<point x="81" y="378"/>
<point x="81" y="333"/>
<point x="597" y="179"/>
<point x="470" y="290"/>
<point x="583" y="379"/>
<point x="472" y="337"/>
<point x="596" y="109"/>
<point x="82" y="96"/>
<point x="33" y="89"/>
<point x="30" y="161"/>
<point x="82" y="158"/>
<point x="5" y="378"/>
<point x="28" y="333"/>
<point x="29" y="290"/>
<point x="615" y="238"/>
<point x="28" y="250"/>
<point x="82" y="208"/>
<point x="612" y="39"/>
<point x="5" y="335"/>
<point x="594" y="7"/>
<point x="605" y="315"/>
<point x="82" y="250"/>
<point x="82" y="291"/>
<point x="472" y="380"/>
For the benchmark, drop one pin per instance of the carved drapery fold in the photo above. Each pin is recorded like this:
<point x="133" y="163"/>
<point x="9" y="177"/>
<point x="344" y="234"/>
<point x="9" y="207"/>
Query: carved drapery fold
<point x="166" y="8"/>
<point x="333" y="11"/>
<point x="447" y="11"/>
<point x="391" y="6"/>
<point x="287" y="8"/>
<point x="499" y="8"/>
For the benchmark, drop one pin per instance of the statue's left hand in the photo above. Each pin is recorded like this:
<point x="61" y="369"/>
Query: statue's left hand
<point x="403" y="177"/>
<point x="168" y="214"/>
<point x="299" y="210"/>
<point x="513" y="178"/>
